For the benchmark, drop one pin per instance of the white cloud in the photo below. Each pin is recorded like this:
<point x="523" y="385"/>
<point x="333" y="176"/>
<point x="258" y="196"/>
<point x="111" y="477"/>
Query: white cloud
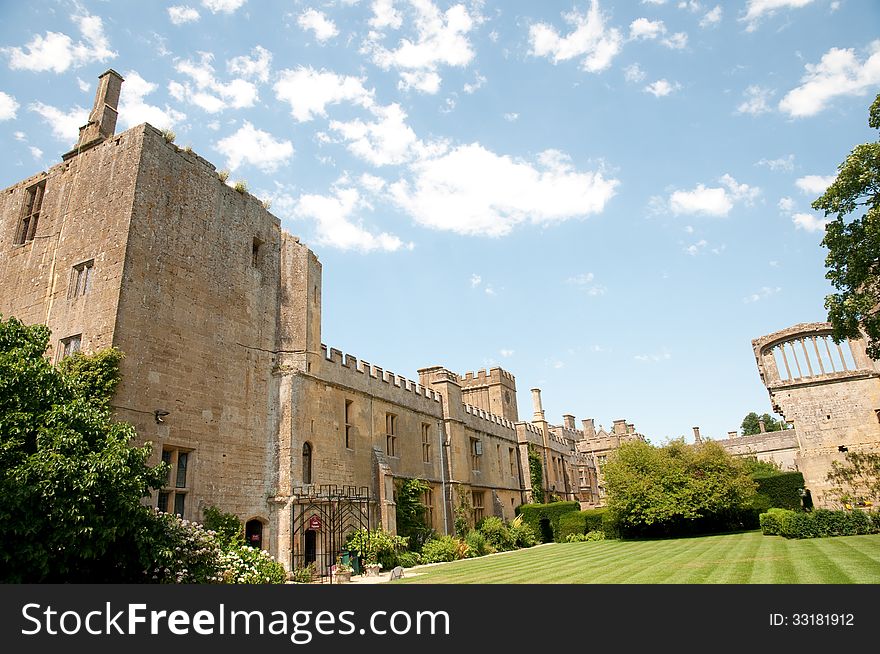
<point x="134" y="110"/>
<point x="36" y="153"/>
<point x="642" y="28"/>
<point x="489" y="290"/>
<point x="372" y="183"/>
<point x="764" y="293"/>
<point x="478" y="82"/>
<point x="808" y="222"/>
<point x="740" y="192"/>
<point x="633" y="73"/>
<point x="442" y="39"/>
<point x="476" y="280"/>
<point x="839" y="73"/>
<point x="814" y="184"/>
<point x="387" y="140"/>
<point x="661" y="88"/>
<point x="689" y="229"/>
<point x="336" y="223"/>
<point x="250" y="145"/>
<point x="590" y="39"/>
<point x="692" y="5"/>
<point x="317" y="22"/>
<point x="8" y="106"/>
<point x="255" y="67"/>
<point x="83" y="85"/>
<point x="308" y="92"/>
<point x="385" y="15"/>
<point x="712" y="17"/>
<point x="222" y="6"/>
<point x="471" y="190"/>
<point x="57" y="52"/>
<point x="181" y="14"/>
<point x="782" y="163"/>
<point x="712" y="201"/>
<point x="653" y="358"/>
<point x="695" y="248"/>
<point x="677" y="41"/>
<point x="756" y="101"/>
<point x="20" y="136"/>
<point x="64" y="124"/>
<point x="506" y="353"/>
<point x="511" y="117"/>
<point x="209" y="93"/>
<point x="586" y="283"/>
<point x="757" y="9"/>
<point x="786" y="204"/>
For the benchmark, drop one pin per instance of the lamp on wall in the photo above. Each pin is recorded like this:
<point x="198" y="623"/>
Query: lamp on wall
<point x="159" y="414"/>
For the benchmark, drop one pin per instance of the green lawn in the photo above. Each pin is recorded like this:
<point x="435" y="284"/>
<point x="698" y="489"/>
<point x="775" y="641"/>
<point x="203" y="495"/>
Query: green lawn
<point x="747" y="558"/>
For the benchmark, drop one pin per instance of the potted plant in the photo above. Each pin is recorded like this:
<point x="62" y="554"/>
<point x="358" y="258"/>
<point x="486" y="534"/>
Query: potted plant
<point x="341" y="571"/>
<point x="372" y="567"/>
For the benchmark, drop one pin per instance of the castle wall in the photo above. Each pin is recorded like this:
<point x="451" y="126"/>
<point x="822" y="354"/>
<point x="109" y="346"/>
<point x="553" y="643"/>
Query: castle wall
<point x="779" y="447"/>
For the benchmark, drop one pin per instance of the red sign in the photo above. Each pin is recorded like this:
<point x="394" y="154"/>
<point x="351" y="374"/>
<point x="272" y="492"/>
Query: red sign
<point x="315" y="523"/>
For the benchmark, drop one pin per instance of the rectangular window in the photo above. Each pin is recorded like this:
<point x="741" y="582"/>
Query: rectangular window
<point x="80" y="279"/>
<point x="181" y="469"/>
<point x="69" y="345"/>
<point x="255" y="253"/>
<point x="30" y="214"/>
<point x="179" y="503"/>
<point x="498" y="459"/>
<point x="390" y="434"/>
<point x="173" y="497"/>
<point x="512" y="453"/>
<point x="349" y="428"/>
<point x="428" y="501"/>
<point x="477" y="500"/>
<point x="476" y="453"/>
<point x="426" y="442"/>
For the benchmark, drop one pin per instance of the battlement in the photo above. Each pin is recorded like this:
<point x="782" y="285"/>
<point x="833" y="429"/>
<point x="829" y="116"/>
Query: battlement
<point x="351" y="365"/>
<point x="530" y="428"/>
<point x="493" y="376"/>
<point x="490" y="417"/>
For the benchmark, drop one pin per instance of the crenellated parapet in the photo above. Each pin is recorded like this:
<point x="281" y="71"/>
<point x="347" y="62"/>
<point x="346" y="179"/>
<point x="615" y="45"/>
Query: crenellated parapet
<point x="488" y="417"/>
<point x="359" y="373"/>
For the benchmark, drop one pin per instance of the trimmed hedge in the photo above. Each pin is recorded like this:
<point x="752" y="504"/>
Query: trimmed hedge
<point x="581" y="522"/>
<point x="780" y="490"/>
<point x="820" y="523"/>
<point x="533" y="514"/>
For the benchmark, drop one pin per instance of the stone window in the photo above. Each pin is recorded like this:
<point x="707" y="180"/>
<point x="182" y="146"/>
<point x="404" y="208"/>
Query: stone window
<point x="428" y="501"/>
<point x="69" y="345"/>
<point x="426" y="442"/>
<point x="390" y="434"/>
<point x="477" y="501"/>
<point x="255" y="252"/>
<point x="349" y="428"/>
<point x="80" y="279"/>
<point x="172" y="498"/>
<point x="30" y="214"/>
<point x="476" y="454"/>
<point x="512" y="462"/>
<point x="307" y="463"/>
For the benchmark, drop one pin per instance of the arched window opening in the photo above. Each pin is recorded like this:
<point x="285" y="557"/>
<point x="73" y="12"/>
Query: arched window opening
<point x="307" y="463"/>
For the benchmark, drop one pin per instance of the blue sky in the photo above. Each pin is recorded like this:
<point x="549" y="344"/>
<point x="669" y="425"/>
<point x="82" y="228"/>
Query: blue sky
<point x="608" y="199"/>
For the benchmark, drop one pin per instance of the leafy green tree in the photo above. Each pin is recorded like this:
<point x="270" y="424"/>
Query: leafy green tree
<point x="751" y="424"/>
<point x="411" y="511"/>
<point x="536" y="474"/>
<point x="70" y="482"/>
<point x="669" y="489"/>
<point x="227" y="526"/>
<point x="853" y="260"/>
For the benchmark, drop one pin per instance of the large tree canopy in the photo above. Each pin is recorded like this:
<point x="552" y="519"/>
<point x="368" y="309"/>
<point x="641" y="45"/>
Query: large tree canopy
<point x="666" y="489"/>
<point x="853" y="243"/>
<point x="70" y="482"/>
<point x="751" y="424"/>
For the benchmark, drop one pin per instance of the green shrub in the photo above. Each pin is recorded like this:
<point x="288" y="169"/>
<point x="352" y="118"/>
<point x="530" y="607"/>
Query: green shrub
<point x="521" y="533"/>
<point x="227" y="526"/>
<point x="409" y="559"/>
<point x="799" y="525"/>
<point x="779" y="490"/>
<point x="587" y="537"/>
<point x="533" y="514"/>
<point x="377" y="546"/>
<point x="874" y="518"/>
<point x="303" y="575"/>
<point x="771" y="521"/>
<point x="445" y="548"/>
<point x="582" y="522"/>
<point x="476" y="544"/>
<point x="244" y="564"/>
<point x="241" y="186"/>
<point x="823" y="523"/>
<point x="497" y="534"/>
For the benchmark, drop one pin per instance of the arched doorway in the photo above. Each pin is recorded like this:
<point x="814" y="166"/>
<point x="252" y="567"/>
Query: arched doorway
<point x="253" y="533"/>
<point x="307" y="463"/>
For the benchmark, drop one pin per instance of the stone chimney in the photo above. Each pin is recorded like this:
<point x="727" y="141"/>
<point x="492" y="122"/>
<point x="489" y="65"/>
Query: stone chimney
<point x="589" y="427"/>
<point x="536" y="403"/>
<point x="102" y="120"/>
<point x="732" y="434"/>
<point x="697" y="439"/>
<point x="762" y="426"/>
<point x="568" y="421"/>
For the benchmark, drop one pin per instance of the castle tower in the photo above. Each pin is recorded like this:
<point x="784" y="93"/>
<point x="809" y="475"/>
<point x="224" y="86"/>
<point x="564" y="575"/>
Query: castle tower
<point x="494" y="392"/>
<point x="102" y="120"/>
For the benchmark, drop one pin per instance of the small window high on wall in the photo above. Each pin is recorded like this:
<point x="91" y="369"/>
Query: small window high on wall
<point x="30" y="214"/>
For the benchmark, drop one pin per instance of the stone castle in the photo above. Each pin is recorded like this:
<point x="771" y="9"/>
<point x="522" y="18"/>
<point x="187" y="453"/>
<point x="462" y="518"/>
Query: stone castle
<point x="135" y="243"/>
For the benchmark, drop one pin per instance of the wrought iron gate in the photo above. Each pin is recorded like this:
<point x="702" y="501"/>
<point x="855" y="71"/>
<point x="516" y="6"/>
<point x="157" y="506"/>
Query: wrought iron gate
<point x="330" y="513"/>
